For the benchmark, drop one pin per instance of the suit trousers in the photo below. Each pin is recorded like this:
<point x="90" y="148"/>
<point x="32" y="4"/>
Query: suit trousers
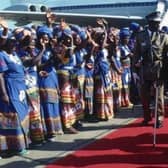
<point x="146" y="98"/>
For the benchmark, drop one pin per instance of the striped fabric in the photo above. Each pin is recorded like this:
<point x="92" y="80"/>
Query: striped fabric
<point x="68" y="98"/>
<point x="13" y="132"/>
<point x="103" y="101"/>
<point x="36" y="128"/>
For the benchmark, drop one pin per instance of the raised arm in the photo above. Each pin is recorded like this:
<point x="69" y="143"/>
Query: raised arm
<point x="34" y="60"/>
<point x="4" y="34"/>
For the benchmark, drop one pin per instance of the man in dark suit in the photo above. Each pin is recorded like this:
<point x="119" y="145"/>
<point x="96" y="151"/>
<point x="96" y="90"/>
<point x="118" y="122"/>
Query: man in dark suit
<point x="150" y="50"/>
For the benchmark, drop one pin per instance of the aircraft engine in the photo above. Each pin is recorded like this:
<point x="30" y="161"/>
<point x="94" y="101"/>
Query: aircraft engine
<point x="32" y="8"/>
<point x="43" y="8"/>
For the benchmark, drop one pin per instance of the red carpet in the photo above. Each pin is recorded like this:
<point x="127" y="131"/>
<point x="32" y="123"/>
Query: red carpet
<point x="128" y="147"/>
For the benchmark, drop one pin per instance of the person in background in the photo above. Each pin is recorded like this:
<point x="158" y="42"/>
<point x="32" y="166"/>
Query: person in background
<point x="89" y="82"/>
<point x="165" y="30"/>
<point x="116" y="67"/>
<point x="134" y="29"/>
<point x="50" y="19"/>
<point x="80" y="51"/>
<point x="134" y="85"/>
<point x="126" y="55"/>
<point x="80" y="41"/>
<point x="103" y="96"/>
<point x="150" y="51"/>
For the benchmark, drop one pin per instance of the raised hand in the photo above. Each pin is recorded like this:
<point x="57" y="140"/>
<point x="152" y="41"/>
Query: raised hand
<point x="3" y="23"/>
<point x="43" y="44"/>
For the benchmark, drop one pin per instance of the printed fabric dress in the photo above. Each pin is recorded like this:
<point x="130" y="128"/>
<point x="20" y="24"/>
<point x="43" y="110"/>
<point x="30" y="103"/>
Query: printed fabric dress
<point x="88" y="86"/>
<point x="103" y="96"/>
<point x="80" y="70"/>
<point x="32" y="89"/>
<point x="14" y="118"/>
<point x="80" y="79"/>
<point x="126" y="76"/>
<point x="49" y="98"/>
<point x="70" y="109"/>
<point x="116" y="67"/>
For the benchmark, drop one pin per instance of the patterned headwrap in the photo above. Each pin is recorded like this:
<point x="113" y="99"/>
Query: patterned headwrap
<point x="134" y="26"/>
<point x="67" y="32"/>
<point x="44" y="30"/>
<point x="165" y="29"/>
<point x="124" y="32"/>
<point x="80" y="31"/>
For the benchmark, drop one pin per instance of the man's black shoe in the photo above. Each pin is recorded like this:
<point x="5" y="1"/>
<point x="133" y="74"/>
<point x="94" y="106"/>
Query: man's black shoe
<point x="159" y="124"/>
<point x="92" y="119"/>
<point x="145" y="122"/>
<point x="78" y="124"/>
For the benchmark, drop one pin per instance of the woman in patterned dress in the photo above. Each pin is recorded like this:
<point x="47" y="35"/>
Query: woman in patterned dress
<point x="30" y="58"/>
<point x="14" y="116"/>
<point x="49" y="88"/>
<point x="126" y="55"/>
<point x="89" y="79"/>
<point x="80" y="52"/>
<point x="103" y="96"/>
<point x="67" y="82"/>
<point x="116" y="67"/>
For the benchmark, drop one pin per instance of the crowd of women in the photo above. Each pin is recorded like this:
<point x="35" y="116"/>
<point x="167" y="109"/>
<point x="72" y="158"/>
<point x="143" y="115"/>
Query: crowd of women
<point x="54" y="76"/>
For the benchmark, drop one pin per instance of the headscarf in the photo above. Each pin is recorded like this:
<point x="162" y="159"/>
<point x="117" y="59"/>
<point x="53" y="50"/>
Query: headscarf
<point x="124" y="32"/>
<point x="44" y="30"/>
<point x="134" y="26"/>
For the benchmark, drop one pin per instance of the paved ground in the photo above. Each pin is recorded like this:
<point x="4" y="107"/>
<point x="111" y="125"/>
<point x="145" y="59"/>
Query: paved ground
<point x="67" y="143"/>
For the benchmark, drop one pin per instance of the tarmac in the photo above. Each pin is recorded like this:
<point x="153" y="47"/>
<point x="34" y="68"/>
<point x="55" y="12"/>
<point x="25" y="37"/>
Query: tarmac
<point x="65" y="144"/>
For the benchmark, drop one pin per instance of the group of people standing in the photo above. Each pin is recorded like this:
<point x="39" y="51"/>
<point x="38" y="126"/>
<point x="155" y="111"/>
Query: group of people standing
<point x="54" y="76"/>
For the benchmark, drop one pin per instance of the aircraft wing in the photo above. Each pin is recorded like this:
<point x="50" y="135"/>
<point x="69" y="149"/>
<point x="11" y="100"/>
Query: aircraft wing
<point x="25" y="17"/>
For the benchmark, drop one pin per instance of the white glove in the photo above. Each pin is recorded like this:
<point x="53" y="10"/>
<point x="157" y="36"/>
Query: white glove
<point x="135" y="77"/>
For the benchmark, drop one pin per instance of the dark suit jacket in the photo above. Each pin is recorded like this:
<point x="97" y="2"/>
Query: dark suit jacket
<point x="151" y="49"/>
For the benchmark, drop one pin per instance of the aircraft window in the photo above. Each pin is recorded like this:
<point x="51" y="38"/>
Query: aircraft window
<point x="107" y="5"/>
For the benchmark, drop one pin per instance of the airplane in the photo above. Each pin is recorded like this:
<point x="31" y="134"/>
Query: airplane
<point x="118" y="13"/>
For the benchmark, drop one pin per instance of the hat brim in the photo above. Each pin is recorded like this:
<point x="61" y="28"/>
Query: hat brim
<point x="155" y="19"/>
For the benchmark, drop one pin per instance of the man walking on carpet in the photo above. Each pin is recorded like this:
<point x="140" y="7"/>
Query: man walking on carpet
<point x="150" y="52"/>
